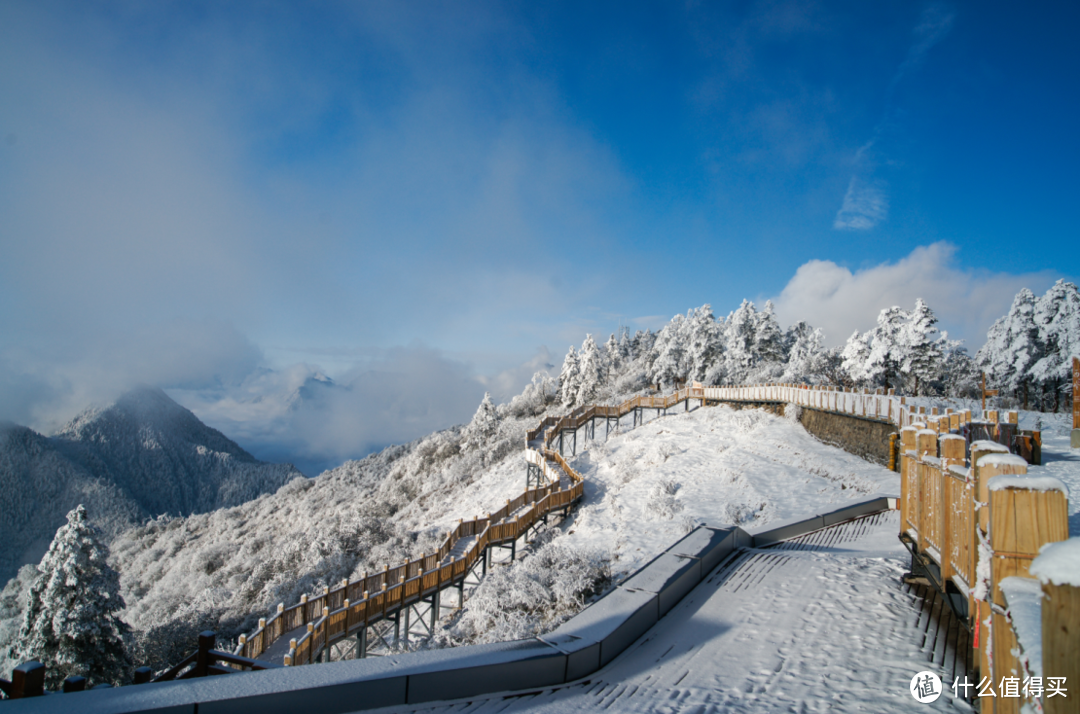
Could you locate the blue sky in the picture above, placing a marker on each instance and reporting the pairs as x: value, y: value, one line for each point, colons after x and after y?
x: 225, y: 199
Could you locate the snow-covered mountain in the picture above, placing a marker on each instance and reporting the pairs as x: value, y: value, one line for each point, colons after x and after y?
x: 138, y: 458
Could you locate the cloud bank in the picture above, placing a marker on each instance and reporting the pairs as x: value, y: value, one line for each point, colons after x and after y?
x: 840, y: 301
x: 298, y: 414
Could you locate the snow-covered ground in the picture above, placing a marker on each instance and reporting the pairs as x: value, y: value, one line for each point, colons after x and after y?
x: 647, y: 487
x: 823, y: 628
x: 1059, y: 460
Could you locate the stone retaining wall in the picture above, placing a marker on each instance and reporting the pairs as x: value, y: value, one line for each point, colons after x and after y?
x: 865, y: 438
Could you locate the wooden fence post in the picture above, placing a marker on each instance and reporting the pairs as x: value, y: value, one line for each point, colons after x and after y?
x: 908, y: 492
x: 202, y: 658
x: 27, y: 680
x: 1025, y: 514
x: 76, y: 683
x: 1056, y: 570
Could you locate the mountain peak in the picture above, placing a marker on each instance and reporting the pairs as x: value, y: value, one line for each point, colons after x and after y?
x: 146, y: 413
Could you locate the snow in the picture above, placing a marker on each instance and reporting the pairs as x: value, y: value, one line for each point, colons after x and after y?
x: 646, y: 488
x: 999, y: 459
x: 138, y: 458
x: 1024, y: 599
x: 989, y: 446
x: 807, y: 627
x: 1030, y: 483
x: 1058, y: 563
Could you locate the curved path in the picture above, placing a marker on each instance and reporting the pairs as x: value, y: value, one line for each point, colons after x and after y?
x: 814, y: 624
x: 301, y: 633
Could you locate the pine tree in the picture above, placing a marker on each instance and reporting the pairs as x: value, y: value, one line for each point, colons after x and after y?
x: 484, y: 426
x: 960, y: 374
x: 614, y: 357
x: 1012, y: 347
x: 805, y: 354
x: 668, y: 362
x: 626, y: 347
x: 642, y: 344
x: 592, y: 372
x: 768, y: 349
x: 71, y: 622
x: 1057, y: 316
x: 922, y: 354
x: 704, y: 350
x: 570, y: 379
x: 738, y: 341
x: 855, y: 359
x: 889, y: 348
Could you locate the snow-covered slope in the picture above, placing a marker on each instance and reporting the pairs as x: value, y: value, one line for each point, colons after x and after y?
x: 167, y: 459
x: 141, y: 457
x: 648, y: 487
x: 644, y: 489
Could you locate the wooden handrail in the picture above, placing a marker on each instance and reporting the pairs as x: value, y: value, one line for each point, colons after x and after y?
x: 369, y: 601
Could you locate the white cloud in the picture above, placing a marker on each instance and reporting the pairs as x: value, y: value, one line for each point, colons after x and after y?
x: 299, y: 414
x: 865, y: 205
x: 840, y: 301
x: 505, y: 385
x: 45, y: 386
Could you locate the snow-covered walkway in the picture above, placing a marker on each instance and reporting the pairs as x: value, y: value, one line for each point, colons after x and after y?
x: 818, y: 624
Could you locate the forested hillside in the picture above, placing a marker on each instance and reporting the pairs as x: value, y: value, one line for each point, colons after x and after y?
x: 139, y: 458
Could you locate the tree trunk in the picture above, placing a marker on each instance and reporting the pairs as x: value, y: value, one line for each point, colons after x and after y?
x: 1025, y: 383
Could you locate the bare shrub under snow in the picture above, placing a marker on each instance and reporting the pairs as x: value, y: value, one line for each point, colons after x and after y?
x: 663, y: 502
x: 533, y: 596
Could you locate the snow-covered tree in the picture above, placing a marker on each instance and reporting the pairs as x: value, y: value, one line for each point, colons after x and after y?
x: 626, y: 346
x: 593, y: 371
x: 888, y: 348
x: 855, y: 358
x: 959, y: 372
x: 1012, y: 348
x: 768, y: 337
x: 535, y: 398
x: 570, y: 379
x: 805, y: 352
x: 1057, y: 316
x: 900, y: 349
x: 704, y: 350
x: 484, y: 425
x: 614, y: 356
x: 668, y: 362
x: 739, y: 355
x: 922, y: 353
x: 71, y: 622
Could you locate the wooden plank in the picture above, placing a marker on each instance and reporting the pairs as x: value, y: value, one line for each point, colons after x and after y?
x: 1060, y: 643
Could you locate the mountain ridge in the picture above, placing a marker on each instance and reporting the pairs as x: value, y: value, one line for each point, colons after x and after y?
x: 142, y: 456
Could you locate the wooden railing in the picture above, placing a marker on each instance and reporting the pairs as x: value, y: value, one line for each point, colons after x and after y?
x: 876, y: 405
x: 341, y: 611
x: 971, y: 523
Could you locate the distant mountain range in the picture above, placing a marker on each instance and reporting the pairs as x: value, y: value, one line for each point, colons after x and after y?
x: 143, y: 456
